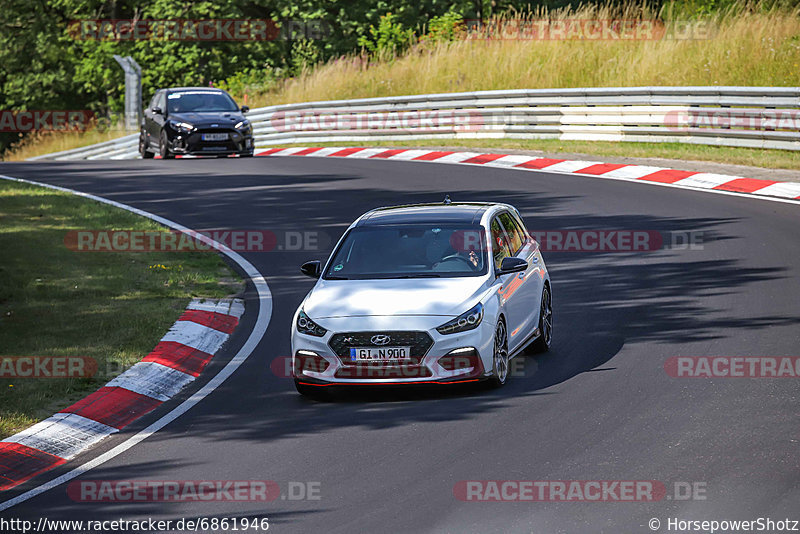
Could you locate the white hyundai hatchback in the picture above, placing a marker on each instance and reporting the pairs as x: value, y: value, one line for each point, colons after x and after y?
x: 429, y: 293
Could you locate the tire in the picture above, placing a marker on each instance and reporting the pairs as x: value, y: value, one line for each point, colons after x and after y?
x: 545, y: 339
x: 246, y: 155
x: 163, y: 147
x: 500, y: 356
x: 312, y: 392
x: 146, y: 154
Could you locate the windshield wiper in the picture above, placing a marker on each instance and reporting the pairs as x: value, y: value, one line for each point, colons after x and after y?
x: 333, y: 277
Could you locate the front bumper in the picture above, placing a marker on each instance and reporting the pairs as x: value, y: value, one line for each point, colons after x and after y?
x: 193, y: 144
x: 422, y: 369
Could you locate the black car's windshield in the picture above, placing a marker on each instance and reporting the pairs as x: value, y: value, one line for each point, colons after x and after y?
x: 409, y: 251
x: 199, y: 101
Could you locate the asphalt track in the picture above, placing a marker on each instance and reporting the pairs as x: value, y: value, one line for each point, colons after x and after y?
x: 599, y: 406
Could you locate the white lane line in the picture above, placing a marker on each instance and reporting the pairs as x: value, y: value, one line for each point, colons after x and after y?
x: 152, y: 380
x: 63, y: 434
x: 196, y: 335
x: 264, y: 302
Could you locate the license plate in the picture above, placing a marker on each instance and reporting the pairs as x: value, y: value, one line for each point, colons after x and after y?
x: 215, y: 137
x: 368, y: 354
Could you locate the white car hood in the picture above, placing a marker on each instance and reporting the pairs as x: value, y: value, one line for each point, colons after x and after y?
x: 407, y: 296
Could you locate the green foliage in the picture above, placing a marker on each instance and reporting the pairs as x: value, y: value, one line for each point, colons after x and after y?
x: 445, y: 28
x: 388, y: 39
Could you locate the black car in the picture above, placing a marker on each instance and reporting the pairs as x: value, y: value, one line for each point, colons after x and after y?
x: 195, y: 120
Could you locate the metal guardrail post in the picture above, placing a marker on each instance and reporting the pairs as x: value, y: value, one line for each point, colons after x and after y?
x: 133, y: 91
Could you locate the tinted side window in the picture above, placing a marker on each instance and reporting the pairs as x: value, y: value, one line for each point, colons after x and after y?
x: 161, y: 101
x: 500, y: 248
x: 514, y: 233
x: 154, y: 101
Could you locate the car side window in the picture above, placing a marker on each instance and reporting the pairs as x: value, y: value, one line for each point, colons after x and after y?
x: 524, y: 229
x: 513, y: 231
x: 500, y: 248
x: 154, y: 100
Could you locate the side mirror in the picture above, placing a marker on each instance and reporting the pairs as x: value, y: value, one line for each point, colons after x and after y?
x: 312, y: 268
x: 245, y: 109
x: 157, y: 110
x: 512, y: 265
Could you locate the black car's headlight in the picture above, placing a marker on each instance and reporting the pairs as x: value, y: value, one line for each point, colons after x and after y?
x: 181, y: 126
x: 244, y: 127
x: 466, y: 321
x: 309, y: 327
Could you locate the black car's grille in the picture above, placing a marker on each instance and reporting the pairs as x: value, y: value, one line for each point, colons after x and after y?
x: 419, y: 342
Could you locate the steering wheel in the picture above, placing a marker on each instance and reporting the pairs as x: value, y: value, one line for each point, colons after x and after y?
x: 457, y: 257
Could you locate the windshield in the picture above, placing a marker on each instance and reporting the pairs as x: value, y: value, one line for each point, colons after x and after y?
x: 200, y: 101
x: 409, y: 251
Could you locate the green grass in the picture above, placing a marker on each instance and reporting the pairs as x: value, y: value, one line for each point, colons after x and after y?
x: 768, y: 159
x: 113, y: 307
x: 750, y: 44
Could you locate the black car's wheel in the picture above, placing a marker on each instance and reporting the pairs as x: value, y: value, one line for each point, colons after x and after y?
x: 146, y: 154
x: 163, y: 147
x: 246, y: 155
x: 545, y: 339
x: 500, y: 356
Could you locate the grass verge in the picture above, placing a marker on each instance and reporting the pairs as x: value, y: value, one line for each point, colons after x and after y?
x: 49, y: 142
x: 747, y: 43
x: 113, y: 307
x: 768, y: 159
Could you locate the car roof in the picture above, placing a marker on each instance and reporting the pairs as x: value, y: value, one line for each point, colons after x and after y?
x: 177, y: 89
x: 441, y: 213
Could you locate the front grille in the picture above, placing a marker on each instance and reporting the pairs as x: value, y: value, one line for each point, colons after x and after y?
x: 420, y: 343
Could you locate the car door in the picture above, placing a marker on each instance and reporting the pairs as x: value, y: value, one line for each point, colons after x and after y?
x: 147, y: 125
x: 506, y: 284
x: 522, y: 289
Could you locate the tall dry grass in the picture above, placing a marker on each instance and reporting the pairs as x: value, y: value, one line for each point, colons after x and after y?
x: 49, y: 142
x: 749, y: 46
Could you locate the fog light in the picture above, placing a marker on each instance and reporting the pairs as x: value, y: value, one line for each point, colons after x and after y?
x: 466, y: 360
x: 307, y: 361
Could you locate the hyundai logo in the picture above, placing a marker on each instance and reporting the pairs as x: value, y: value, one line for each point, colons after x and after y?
x: 380, y: 339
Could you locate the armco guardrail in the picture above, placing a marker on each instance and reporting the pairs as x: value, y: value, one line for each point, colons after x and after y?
x: 756, y: 117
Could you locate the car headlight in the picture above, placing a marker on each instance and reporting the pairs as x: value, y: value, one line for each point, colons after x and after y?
x: 466, y: 321
x: 245, y: 127
x: 309, y: 327
x: 181, y: 126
